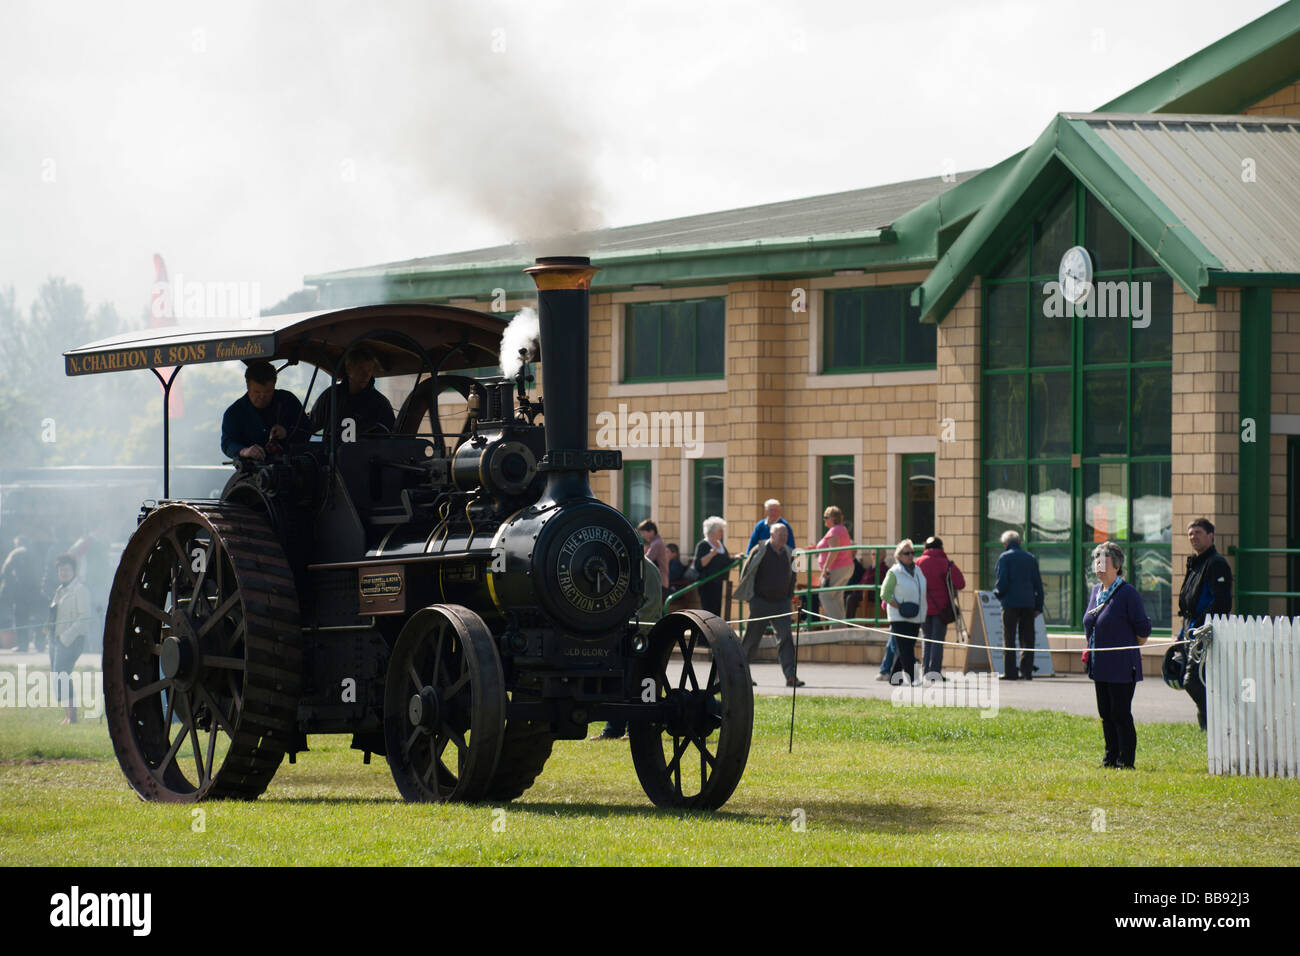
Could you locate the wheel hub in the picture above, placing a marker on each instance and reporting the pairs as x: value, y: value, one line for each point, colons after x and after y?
x: 422, y: 711
x: 178, y: 659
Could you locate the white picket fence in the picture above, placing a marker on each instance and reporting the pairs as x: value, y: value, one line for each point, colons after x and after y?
x: 1252, y: 682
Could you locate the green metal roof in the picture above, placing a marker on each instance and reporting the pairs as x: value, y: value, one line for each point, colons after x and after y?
x: 1175, y: 182
x: 1233, y: 181
x: 818, y: 233
x: 1228, y: 75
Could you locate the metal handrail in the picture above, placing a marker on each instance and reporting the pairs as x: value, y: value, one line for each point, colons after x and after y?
x: 712, y: 576
x: 872, y: 588
x: 1244, y: 592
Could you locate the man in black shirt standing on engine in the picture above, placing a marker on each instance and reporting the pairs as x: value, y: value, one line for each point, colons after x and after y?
x: 356, y: 399
x: 1207, y: 589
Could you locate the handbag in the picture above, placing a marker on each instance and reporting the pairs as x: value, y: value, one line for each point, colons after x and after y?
x: 948, y: 615
x: 909, y: 609
x: 692, y: 573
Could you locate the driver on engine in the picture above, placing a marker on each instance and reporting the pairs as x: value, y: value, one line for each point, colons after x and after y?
x: 256, y: 424
x: 356, y: 398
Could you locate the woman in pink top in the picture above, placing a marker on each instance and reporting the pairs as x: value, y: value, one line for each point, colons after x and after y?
x: 837, y: 566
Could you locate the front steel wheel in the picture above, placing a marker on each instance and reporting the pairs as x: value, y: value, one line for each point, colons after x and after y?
x: 202, y: 655
x: 444, y: 706
x: 694, y: 755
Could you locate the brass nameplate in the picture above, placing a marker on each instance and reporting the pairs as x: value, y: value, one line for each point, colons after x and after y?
x: 382, y: 590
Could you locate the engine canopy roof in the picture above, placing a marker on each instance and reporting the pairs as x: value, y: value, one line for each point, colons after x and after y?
x: 316, y: 338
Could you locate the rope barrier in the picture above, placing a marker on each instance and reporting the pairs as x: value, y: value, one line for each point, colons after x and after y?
x: 27, y: 627
x: 927, y: 640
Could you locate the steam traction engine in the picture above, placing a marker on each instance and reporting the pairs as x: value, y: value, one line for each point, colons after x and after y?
x: 455, y: 603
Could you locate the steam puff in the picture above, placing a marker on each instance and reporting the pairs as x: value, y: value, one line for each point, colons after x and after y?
x: 521, y: 333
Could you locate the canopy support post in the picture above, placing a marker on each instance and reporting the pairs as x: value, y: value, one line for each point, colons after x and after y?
x: 167, y: 434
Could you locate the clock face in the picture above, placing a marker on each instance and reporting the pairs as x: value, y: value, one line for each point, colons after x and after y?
x: 1076, y: 274
x: 593, y: 569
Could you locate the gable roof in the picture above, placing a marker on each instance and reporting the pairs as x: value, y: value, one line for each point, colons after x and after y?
x: 1175, y: 182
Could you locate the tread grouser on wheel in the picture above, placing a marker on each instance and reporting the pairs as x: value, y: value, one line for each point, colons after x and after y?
x: 202, y: 655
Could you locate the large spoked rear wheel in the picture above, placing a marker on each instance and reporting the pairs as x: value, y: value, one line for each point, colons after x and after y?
x: 202, y: 655
x: 694, y: 757
x: 444, y: 706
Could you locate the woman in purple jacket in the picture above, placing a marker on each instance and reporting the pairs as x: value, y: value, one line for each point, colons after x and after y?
x: 1115, y: 618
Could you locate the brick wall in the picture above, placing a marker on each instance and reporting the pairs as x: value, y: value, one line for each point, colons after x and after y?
x: 1285, y: 102
x: 1206, y: 427
x: 957, y: 501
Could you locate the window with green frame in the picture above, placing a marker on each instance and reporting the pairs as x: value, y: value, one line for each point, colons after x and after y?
x: 1077, y: 413
x: 636, y: 490
x: 873, y: 329
x: 666, y: 341
x: 918, y: 498
x: 837, y: 490
x: 709, y: 487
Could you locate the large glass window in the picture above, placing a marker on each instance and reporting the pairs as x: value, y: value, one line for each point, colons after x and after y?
x: 1077, y: 409
x: 665, y: 341
x: 636, y: 490
x: 873, y: 329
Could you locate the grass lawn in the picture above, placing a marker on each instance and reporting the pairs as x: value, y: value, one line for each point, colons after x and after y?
x: 875, y: 784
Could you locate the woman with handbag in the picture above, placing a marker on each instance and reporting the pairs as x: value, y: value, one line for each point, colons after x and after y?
x: 710, y: 557
x: 939, y: 571
x: 904, y: 594
x: 1115, y: 618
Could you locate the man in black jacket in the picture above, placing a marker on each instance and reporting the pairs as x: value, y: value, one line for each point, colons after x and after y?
x: 1207, y: 589
x: 256, y: 423
x: 355, y: 398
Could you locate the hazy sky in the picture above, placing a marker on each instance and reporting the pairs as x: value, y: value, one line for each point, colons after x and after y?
x: 260, y: 142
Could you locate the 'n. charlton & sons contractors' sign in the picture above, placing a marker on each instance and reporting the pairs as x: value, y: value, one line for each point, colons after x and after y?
x: 189, y: 353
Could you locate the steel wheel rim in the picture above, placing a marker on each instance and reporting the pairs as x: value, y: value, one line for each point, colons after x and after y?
x: 444, y: 696
x: 693, y: 758
x: 178, y: 656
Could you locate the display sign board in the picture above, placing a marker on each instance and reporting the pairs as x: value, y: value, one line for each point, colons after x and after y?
x: 987, y: 652
x: 224, y: 349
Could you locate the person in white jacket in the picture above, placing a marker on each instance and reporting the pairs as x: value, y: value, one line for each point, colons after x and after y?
x: 70, y: 613
x: 904, y: 596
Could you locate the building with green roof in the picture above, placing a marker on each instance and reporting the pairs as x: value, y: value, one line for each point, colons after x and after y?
x: 906, y: 352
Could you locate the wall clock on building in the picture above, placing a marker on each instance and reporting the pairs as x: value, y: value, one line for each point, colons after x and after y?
x: 1075, y: 274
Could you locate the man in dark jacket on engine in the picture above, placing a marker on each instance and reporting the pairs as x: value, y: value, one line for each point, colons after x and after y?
x: 355, y: 399
x: 1207, y: 589
x: 265, y: 416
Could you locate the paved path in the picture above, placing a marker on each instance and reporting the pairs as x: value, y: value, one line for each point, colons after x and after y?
x: 1072, y: 694
x: 1154, y: 701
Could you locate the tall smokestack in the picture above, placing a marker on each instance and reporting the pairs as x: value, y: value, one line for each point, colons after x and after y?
x: 563, y: 293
